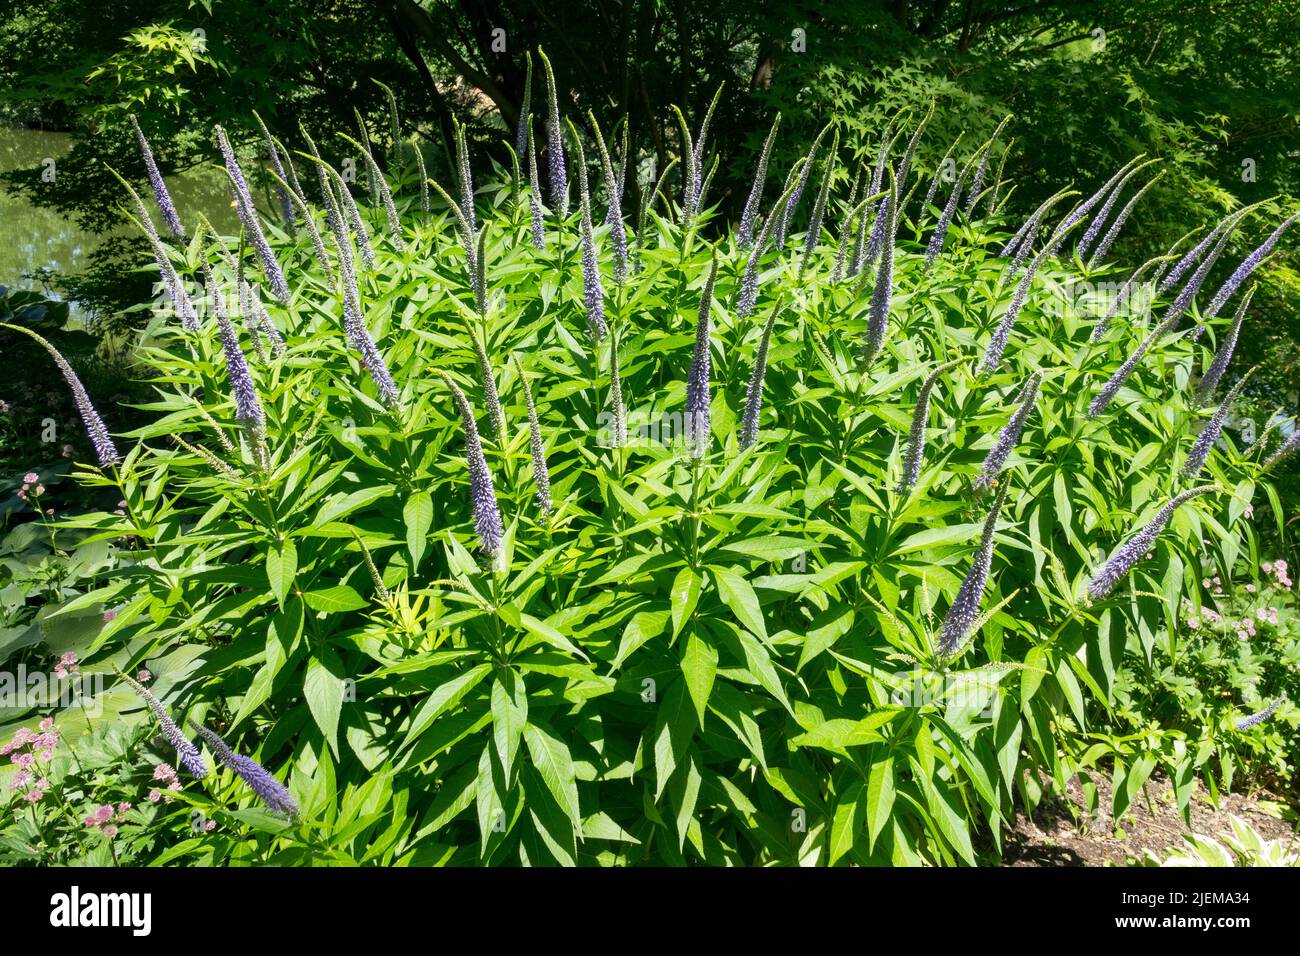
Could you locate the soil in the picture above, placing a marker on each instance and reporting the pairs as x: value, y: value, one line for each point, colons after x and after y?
x: 1057, y: 837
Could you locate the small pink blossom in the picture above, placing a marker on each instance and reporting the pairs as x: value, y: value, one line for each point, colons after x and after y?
x: 144, y: 677
x: 31, y: 478
x: 154, y: 796
x: 209, y: 826
x: 109, y: 615
x: 20, y: 779
x: 33, y: 795
x: 109, y: 831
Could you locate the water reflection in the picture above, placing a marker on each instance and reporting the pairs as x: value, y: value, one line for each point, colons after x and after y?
x: 33, y: 238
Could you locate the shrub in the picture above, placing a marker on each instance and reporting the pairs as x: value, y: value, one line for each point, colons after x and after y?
x: 466, y: 545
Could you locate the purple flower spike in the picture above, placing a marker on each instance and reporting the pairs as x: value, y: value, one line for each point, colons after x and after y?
x: 1213, y: 429
x: 270, y: 791
x: 1098, y: 221
x: 1081, y: 210
x: 1224, y: 355
x: 593, y: 295
x: 745, y: 234
x: 1116, y: 381
x: 966, y: 605
x: 1286, y: 449
x: 535, y: 195
x: 698, y: 398
x: 1112, y: 233
x: 559, y: 176
x: 536, y: 449
x: 754, y: 393
x: 1002, y: 334
x: 487, y: 518
x: 747, y: 297
x: 186, y: 752
x: 945, y: 218
x: 1259, y: 717
x: 1132, y: 551
x: 1248, y: 265
x: 248, y: 216
x: 916, y: 438
x: 523, y: 129
x: 1009, y: 435
x: 882, y: 294
x: 95, y: 430
x: 156, y: 183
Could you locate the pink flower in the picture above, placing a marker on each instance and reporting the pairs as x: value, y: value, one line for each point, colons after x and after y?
x: 1242, y: 635
x: 1193, y: 623
x: 210, y: 826
x: 31, y: 478
x: 144, y: 677
x: 109, y: 615
x: 123, y: 808
x: 100, y: 816
x: 40, y: 489
x: 164, y: 772
x: 1250, y: 589
x: 69, y: 660
x: 47, y: 724
x: 20, y: 779
x: 109, y: 831
x: 33, y: 795
x: 154, y: 796
x: 24, y: 760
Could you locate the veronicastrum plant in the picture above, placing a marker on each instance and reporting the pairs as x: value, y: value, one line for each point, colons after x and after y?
x: 495, y: 547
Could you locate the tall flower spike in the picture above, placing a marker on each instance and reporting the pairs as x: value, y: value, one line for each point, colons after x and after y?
x: 998, y: 341
x: 424, y: 176
x: 358, y: 335
x: 248, y: 216
x: 1259, y: 717
x: 559, y: 177
x: 348, y: 205
x: 869, y: 246
x: 535, y: 195
x: 754, y: 392
x: 617, y: 234
x: 333, y: 216
x: 469, y: 243
x: 748, y: 294
x: 105, y: 450
x: 813, y: 235
x: 1122, y: 299
x: 1284, y: 450
x: 801, y: 180
x: 385, y: 194
x: 1248, y: 265
x: 536, y: 450
x: 466, y: 177
x: 592, y: 293
x: 1200, y: 452
x: 1187, y: 294
x: 620, y: 179
x: 1022, y: 243
x: 882, y: 294
x: 167, y: 273
x: 938, y: 173
x: 617, y: 407
x: 483, y: 501
x: 745, y: 233
x: 309, y: 223
x: 981, y: 169
x: 270, y: 791
x: 523, y: 128
x: 1132, y: 551
x: 916, y: 437
x: 248, y: 407
x: 1223, y: 356
x: 281, y: 183
x: 699, y: 429
x: 1098, y: 221
x: 156, y: 183
x: 1116, y: 381
x: 945, y: 218
x: 905, y: 165
x: 1189, y: 259
x: 1085, y: 207
x: 1009, y: 435
x: 490, y: 397
x: 965, y: 607
x: 1169, y: 257
x: 697, y: 156
x: 846, y: 230
x: 186, y: 752
x: 1113, y: 232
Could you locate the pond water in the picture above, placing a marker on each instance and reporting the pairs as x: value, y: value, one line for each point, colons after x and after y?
x: 34, y: 237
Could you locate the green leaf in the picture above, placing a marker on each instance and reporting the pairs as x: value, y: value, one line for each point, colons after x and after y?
x: 738, y: 595
x: 335, y: 600
x: 554, y: 763
x: 418, y: 515
x: 699, y: 667
x: 444, y: 699
x: 509, y: 703
x: 323, y: 687
x: 685, y: 595
x: 880, y: 796
x: 281, y: 566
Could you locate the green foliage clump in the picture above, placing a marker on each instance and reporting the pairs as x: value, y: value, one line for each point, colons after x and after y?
x: 705, y: 651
